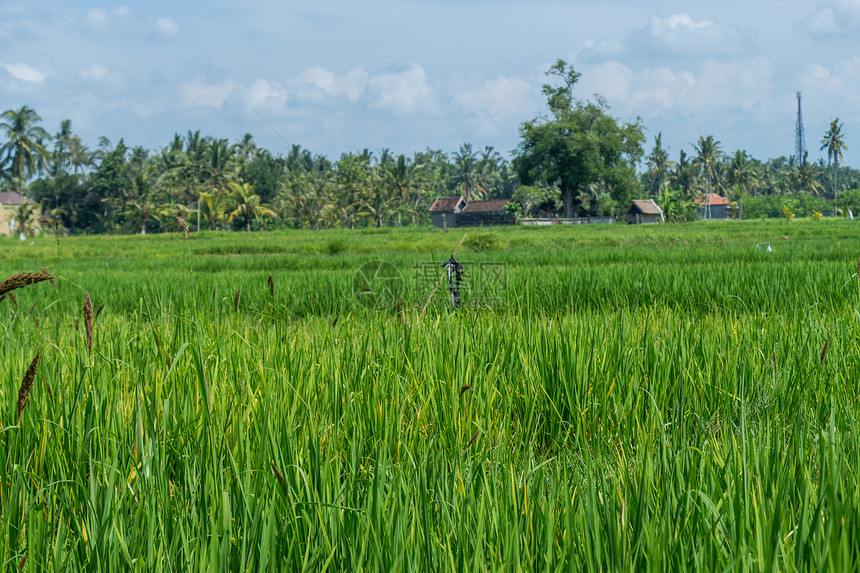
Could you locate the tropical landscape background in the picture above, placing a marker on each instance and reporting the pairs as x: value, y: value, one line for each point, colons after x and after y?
x: 316, y: 396
x: 578, y: 159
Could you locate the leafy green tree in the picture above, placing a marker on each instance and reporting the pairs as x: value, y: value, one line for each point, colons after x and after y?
x: 580, y: 144
x: 24, y: 152
x: 109, y: 184
x: 834, y: 142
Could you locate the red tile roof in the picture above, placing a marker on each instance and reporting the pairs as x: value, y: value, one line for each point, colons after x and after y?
x: 446, y: 204
x: 493, y: 205
x: 712, y: 199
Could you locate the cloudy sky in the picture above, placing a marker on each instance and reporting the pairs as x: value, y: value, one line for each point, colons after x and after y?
x: 342, y: 75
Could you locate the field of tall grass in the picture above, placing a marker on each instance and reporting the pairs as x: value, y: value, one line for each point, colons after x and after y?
x: 679, y: 397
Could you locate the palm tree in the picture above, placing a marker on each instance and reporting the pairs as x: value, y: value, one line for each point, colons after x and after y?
x: 140, y: 204
x: 246, y: 149
x: 834, y: 142
x: 742, y: 173
x: 248, y: 205
x: 214, y: 207
x: 708, y: 155
x: 806, y: 177
x: 24, y: 152
x: 659, y: 163
x: 400, y: 176
x: 79, y: 156
x: 466, y: 173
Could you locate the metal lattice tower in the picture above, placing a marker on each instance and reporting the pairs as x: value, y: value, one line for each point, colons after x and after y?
x: 799, y: 137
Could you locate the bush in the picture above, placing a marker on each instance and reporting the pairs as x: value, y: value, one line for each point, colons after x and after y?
x: 483, y: 242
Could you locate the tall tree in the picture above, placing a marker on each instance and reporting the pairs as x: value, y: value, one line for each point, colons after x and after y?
x: 834, y: 142
x: 466, y: 173
x: 579, y: 145
x: 708, y: 156
x: 659, y: 163
x: 24, y: 152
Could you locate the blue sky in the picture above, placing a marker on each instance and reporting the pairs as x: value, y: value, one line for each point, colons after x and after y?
x: 338, y: 75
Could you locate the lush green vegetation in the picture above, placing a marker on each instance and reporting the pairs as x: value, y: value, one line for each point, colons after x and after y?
x: 672, y: 397
x: 580, y: 160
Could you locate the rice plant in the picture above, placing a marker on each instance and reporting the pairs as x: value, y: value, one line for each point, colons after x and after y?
x: 664, y: 399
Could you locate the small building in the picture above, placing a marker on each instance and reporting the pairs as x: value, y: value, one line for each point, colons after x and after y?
x: 486, y: 213
x: 444, y: 210
x: 9, y: 204
x: 643, y: 212
x: 713, y: 206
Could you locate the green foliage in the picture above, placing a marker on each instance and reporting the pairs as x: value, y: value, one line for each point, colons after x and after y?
x: 801, y: 204
x: 482, y: 242
x: 581, y: 145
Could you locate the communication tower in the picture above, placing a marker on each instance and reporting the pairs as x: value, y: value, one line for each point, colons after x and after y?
x: 799, y: 137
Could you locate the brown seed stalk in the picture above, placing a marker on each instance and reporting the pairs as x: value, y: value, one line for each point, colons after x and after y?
x: 824, y: 352
x: 88, y: 321
x: 271, y: 286
x: 24, y: 279
x: 475, y: 437
x: 27, y: 385
x: 236, y: 300
x: 280, y: 477
x: 464, y: 389
x: 184, y: 226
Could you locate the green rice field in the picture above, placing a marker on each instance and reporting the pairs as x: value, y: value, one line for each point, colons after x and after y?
x: 607, y: 398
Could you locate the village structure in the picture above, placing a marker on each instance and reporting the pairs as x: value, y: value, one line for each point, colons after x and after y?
x: 450, y: 212
x: 9, y: 204
x: 713, y: 206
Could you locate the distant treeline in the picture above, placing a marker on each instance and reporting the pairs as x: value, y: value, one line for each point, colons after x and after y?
x: 579, y: 161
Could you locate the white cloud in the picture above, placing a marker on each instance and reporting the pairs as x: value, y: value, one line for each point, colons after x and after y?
x: 648, y: 91
x: 24, y: 72
x: 199, y: 94
x: 834, y: 18
x: 402, y: 92
x: 124, y: 20
x: 102, y: 21
x: 167, y: 27
x: 679, y: 36
x: 496, y: 102
x: 837, y: 85
x: 265, y: 94
x: 351, y: 85
x: 100, y: 74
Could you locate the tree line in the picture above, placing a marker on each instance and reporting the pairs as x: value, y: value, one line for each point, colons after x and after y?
x: 575, y: 161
